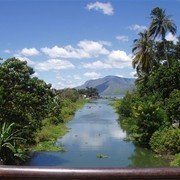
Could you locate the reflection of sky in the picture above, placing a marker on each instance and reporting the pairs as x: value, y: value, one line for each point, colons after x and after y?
x: 94, y: 127
x: 94, y: 130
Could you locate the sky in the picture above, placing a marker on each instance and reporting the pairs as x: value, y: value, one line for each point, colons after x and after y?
x: 69, y: 42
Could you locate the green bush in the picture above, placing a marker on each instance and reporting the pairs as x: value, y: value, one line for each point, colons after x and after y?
x: 148, y: 117
x: 166, y: 141
x: 176, y: 160
x: 125, y: 105
x: 173, y: 105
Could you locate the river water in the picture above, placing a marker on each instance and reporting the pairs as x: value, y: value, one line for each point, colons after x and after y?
x: 95, y: 132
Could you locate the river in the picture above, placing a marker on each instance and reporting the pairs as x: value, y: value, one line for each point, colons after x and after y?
x: 94, y: 133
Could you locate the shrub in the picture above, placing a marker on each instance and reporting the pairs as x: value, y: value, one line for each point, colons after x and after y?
x: 166, y: 141
x: 125, y: 105
x: 173, y: 105
x: 176, y: 160
x: 148, y: 117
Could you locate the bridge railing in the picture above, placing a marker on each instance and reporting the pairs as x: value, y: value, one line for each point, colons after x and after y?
x: 25, y: 172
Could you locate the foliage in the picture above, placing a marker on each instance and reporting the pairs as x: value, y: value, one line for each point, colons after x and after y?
x: 142, y: 50
x: 147, y: 113
x: 71, y: 94
x: 10, y: 152
x: 89, y: 92
x: 50, y: 132
x: 25, y: 98
x: 125, y: 105
x: 176, y: 160
x: 164, y: 80
x: 166, y: 141
x: 173, y: 105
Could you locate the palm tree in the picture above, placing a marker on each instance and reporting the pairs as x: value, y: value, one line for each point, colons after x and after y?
x: 161, y: 24
x: 142, y: 50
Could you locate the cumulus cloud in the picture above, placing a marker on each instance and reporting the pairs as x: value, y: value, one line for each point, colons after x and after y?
x: 29, y: 52
x: 115, y: 59
x: 171, y: 37
x: 97, y: 65
x: 105, y: 8
x: 93, y: 48
x: 122, y: 38
x: 92, y: 75
x: 119, y: 55
x: 137, y: 28
x: 86, y: 49
x: 55, y: 64
x: 119, y: 59
x: 64, y: 52
x: 76, y: 77
x: 29, y: 62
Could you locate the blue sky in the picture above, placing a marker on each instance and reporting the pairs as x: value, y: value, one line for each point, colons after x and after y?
x: 69, y: 42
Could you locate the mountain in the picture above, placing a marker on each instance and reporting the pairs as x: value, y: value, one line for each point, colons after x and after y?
x: 110, y: 85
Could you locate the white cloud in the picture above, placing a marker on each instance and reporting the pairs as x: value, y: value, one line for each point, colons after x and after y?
x: 35, y: 74
x: 132, y: 74
x: 86, y: 49
x: 7, y: 51
x: 25, y: 59
x: 119, y: 55
x: 29, y: 52
x: 66, y: 84
x: 92, y: 75
x: 76, y: 77
x: 171, y: 37
x: 97, y: 65
x: 137, y: 28
x: 55, y: 64
x: 93, y: 48
x: 119, y: 59
x: 105, y: 8
x: 106, y: 43
x: 115, y: 59
x: 122, y: 38
x: 119, y: 75
x: 64, y: 52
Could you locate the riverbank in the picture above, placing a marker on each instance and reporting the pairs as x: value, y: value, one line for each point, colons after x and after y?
x: 96, y: 140
x: 127, y: 125
x: 47, y: 136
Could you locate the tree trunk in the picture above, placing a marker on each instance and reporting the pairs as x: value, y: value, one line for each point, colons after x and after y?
x: 165, y: 50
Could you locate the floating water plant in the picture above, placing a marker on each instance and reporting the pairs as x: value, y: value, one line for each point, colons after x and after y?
x: 101, y: 156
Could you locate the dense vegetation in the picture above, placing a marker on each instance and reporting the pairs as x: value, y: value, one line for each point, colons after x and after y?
x: 32, y: 114
x: 151, y: 113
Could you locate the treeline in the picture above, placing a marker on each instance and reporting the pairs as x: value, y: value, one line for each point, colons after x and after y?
x: 151, y: 113
x: 30, y: 111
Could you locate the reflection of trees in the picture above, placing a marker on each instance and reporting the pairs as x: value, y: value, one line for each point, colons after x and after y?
x: 145, y: 158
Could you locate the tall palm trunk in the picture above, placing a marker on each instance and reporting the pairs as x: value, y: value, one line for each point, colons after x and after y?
x: 165, y: 49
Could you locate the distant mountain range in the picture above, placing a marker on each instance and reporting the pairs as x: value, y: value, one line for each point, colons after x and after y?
x: 110, y: 85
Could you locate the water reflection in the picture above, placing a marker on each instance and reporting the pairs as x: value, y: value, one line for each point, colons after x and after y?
x: 145, y: 158
x: 95, y: 130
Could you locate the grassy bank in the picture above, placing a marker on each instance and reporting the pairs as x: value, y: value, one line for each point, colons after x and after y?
x: 50, y: 132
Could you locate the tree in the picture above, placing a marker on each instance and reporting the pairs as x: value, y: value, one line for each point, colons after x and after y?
x: 161, y: 24
x: 142, y: 50
x: 25, y: 98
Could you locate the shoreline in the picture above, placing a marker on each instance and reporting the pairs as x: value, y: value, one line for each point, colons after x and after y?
x: 55, y: 132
